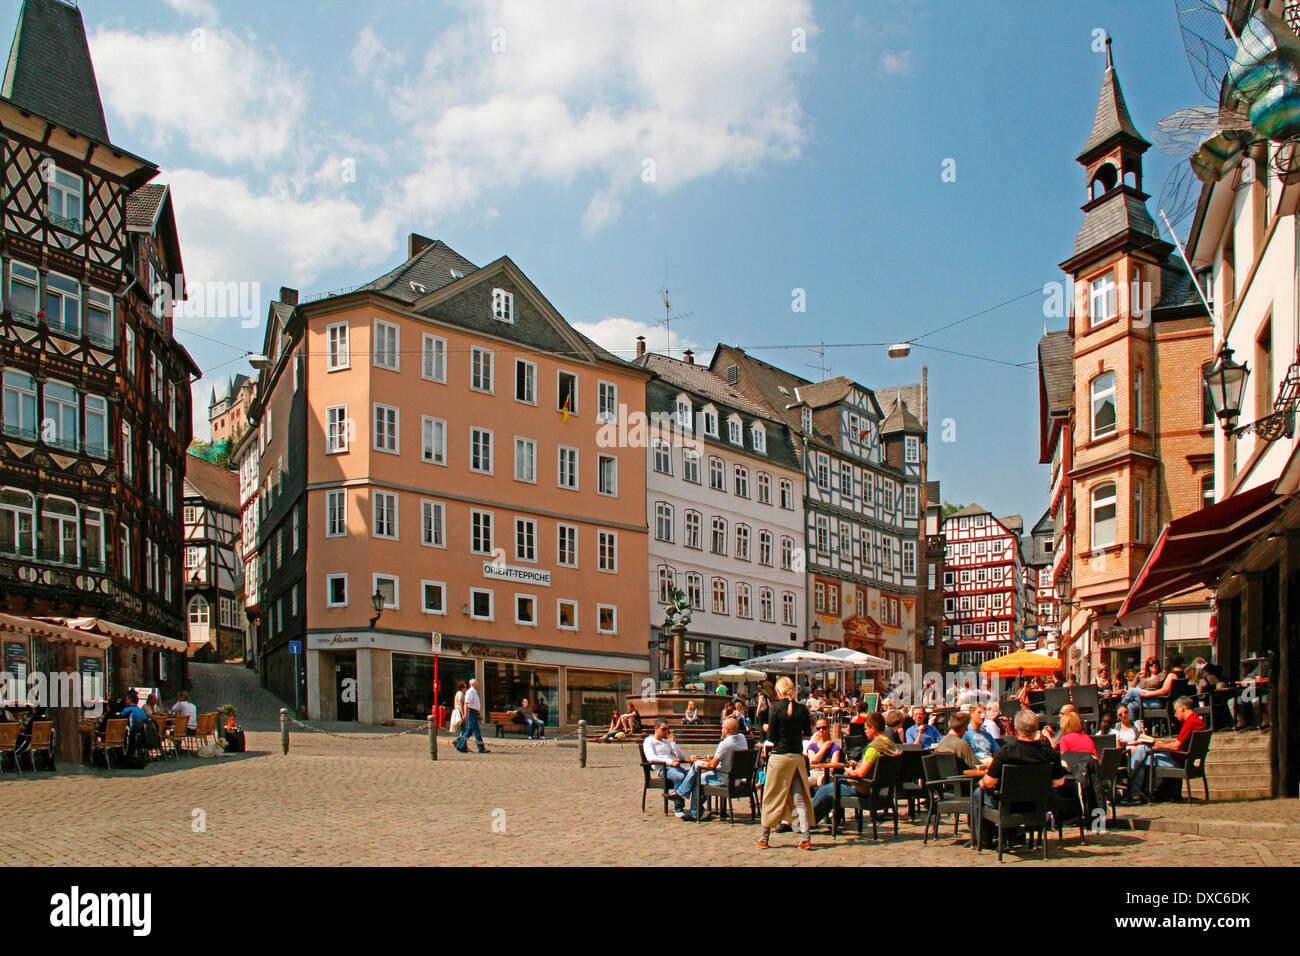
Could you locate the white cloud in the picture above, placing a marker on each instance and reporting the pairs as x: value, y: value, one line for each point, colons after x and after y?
x: 572, y: 88
x: 218, y: 93
x: 193, y: 8
x: 896, y: 62
x: 372, y: 59
x: 618, y: 335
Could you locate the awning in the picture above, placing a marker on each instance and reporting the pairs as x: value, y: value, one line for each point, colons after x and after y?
x: 1194, y: 550
x: 121, y: 634
x: 52, y: 631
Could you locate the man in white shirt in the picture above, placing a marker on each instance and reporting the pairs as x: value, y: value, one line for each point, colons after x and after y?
x: 662, y: 751
x: 713, y: 770
x: 187, y: 709
x: 990, y: 723
x: 473, y: 720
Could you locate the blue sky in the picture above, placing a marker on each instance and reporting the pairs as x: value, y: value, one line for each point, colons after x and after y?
x: 305, y: 140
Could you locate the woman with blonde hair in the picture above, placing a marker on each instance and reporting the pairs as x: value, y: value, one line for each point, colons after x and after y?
x: 787, y: 770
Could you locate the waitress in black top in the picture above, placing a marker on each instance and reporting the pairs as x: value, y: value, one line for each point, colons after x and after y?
x: 787, y: 769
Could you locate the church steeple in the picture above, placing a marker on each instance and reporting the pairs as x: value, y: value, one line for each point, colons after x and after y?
x: 1112, y: 124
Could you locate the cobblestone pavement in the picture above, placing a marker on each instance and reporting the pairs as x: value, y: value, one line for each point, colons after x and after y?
x: 334, y: 800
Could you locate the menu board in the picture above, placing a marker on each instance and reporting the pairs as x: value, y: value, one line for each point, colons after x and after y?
x: 92, y: 678
x: 870, y: 703
x: 15, y: 665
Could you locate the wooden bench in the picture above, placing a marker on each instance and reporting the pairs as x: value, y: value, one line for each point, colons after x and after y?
x: 504, y: 721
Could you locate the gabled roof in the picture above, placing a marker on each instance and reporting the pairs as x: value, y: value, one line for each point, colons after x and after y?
x: 699, y: 380
x: 1056, y: 371
x: 212, y: 483
x: 912, y: 395
x: 430, y: 269
x: 970, y: 509
x: 1045, y: 525
x: 143, y: 206
x: 1111, y: 119
x: 50, y: 73
x: 900, y: 419
x: 1013, y: 523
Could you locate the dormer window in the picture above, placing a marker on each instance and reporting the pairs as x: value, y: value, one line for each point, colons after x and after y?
x: 684, y: 413
x: 805, y: 419
x: 503, y: 306
x: 710, y: 421
x: 758, y: 438
x: 735, y: 431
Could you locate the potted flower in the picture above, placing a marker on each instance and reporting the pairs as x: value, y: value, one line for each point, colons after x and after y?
x: 232, y: 735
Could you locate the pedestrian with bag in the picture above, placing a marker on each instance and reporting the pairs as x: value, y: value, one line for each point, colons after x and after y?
x: 473, y: 720
x: 786, y: 783
x: 457, y: 710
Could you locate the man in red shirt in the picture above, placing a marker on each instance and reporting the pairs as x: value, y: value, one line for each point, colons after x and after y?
x: 1170, y: 752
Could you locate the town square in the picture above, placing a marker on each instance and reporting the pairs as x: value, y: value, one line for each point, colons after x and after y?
x: 650, y: 434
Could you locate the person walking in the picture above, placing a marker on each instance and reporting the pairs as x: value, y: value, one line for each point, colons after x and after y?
x: 473, y: 720
x: 787, y: 770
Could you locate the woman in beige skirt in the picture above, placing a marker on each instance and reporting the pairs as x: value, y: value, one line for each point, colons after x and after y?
x: 787, y: 769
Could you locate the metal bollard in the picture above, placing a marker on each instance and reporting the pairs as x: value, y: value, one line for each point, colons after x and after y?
x: 433, y: 736
x: 582, y: 743
x: 284, y: 729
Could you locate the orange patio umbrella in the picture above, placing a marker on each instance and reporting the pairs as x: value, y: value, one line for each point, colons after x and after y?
x: 1022, y: 664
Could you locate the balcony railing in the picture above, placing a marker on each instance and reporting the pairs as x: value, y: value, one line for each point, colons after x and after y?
x: 17, y: 431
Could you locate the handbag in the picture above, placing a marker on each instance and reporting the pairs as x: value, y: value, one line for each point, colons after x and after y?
x: 456, y: 721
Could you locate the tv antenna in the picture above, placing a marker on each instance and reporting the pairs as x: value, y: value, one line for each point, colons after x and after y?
x: 669, y: 318
x: 821, y: 366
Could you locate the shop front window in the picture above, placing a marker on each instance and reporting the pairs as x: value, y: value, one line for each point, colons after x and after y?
x: 505, y: 684
x: 413, y: 684
x: 593, y: 695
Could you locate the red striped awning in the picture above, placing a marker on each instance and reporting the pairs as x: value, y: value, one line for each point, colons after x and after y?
x: 1193, y: 551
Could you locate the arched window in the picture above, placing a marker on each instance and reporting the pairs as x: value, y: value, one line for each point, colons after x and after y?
x: 1104, y: 179
x: 1102, y: 392
x: 1103, y: 515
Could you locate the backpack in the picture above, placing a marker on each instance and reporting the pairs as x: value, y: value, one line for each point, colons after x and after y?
x: 152, y: 740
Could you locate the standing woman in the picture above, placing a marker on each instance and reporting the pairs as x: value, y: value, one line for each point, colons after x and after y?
x: 787, y: 770
x: 457, y: 710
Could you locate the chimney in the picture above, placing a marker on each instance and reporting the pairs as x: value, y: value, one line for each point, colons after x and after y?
x: 688, y: 357
x: 640, y: 346
x: 416, y: 244
x: 288, y: 296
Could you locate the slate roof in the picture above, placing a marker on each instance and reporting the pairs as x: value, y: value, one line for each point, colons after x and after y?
x: 1056, y: 370
x: 1119, y: 212
x: 900, y: 419
x: 49, y: 71
x: 431, y: 269
x: 1176, y: 288
x: 143, y: 206
x: 1013, y: 523
x: 699, y: 380
x: 1112, y: 118
x: 212, y: 483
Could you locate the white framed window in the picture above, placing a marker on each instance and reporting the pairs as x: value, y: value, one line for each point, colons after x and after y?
x: 526, y: 540
x: 566, y: 536
x: 606, y: 402
x: 710, y: 421
x: 433, y: 440
x: 717, y: 474
x: 525, y: 460
x: 663, y: 521
x: 607, y: 551
x: 735, y: 431
x: 338, y: 352
x: 663, y: 457
x: 911, y: 449
x: 128, y: 453
x: 1102, y: 390
x: 690, y: 466
x: 567, y: 476
x: 386, y: 428
x: 741, y: 481
x: 765, y: 548
x: 787, y: 494
x: 336, y: 513
x: 742, y: 542
x: 758, y: 439
x: 480, y: 532
x: 607, y: 475
x: 764, y: 488
x: 719, y: 589
x: 743, y: 606
x: 910, y: 500
x: 685, y: 415
x: 336, y: 590
x: 718, y: 535
x: 433, y: 527
x: 387, y: 350
x: 695, y: 590
x: 1137, y: 511
x: 525, y: 381
x: 503, y: 306
x: 480, y: 370
x: 606, y: 619
x: 480, y: 604
x: 433, y: 596
x: 667, y: 582
x: 24, y: 289
x: 787, y: 608
x: 1137, y: 400
x: 385, y: 515
x: 787, y: 553
x: 766, y: 606
x: 566, y: 392
x: 63, y: 200
x: 1101, y: 299
x: 1103, y: 515
x: 806, y: 419
x: 19, y: 403
x: 526, y: 609
x: 566, y: 614
x: 61, y: 411
x: 336, y: 429
x: 909, y: 558
x: 694, y: 523
x: 433, y: 355
x: 480, y: 450
x: 63, y: 304
x: 387, y: 586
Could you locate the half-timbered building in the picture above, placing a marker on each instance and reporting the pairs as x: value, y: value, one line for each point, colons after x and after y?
x: 984, y: 594
x: 96, y: 407
x: 214, y: 569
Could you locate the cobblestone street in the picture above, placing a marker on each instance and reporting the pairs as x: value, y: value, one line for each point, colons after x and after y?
x: 339, y: 800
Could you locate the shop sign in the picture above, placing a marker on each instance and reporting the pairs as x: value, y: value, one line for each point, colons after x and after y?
x: 1120, y: 637
x: 505, y: 572
x: 733, y: 650
x: 487, y: 650
x: 341, y: 640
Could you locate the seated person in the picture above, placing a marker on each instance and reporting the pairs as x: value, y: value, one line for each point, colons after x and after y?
x: 1148, y: 693
x: 955, y: 742
x: 894, y: 720
x: 525, y: 717
x: 692, y: 715
x: 151, y: 705
x: 1023, y: 751
x: 922, y: 732
x: 713, y: 770
x: 615, y: 728
x: 186, y: 709
x: 1171, y: 752
x: 631, y: 720
x: 1073, y: 739
x: 980, y: 740
x: 879, y: 746
x: 135, y: 718
x: 662, y: 752
x: 992, y: 723
x: 822, y: 748
x: 1103, y: 679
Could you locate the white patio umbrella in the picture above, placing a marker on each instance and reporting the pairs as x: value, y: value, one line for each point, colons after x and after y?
x: 733, y: 672
x: 792, y: 661
x: 861, y: 661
